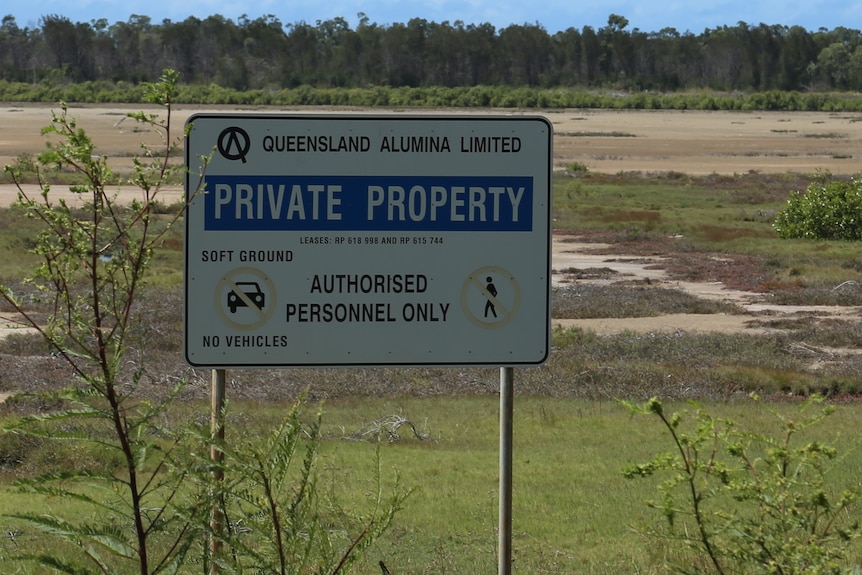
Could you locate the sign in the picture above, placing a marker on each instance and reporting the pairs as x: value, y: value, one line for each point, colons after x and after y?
x: 367, y: 240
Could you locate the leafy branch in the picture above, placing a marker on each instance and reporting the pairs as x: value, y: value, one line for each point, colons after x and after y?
x: 95, y: 254
x: 755, y: 498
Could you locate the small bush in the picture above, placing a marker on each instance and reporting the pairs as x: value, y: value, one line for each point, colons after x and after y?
x: 577, y: 168
x: 827, y: 210
x: 751, y: 501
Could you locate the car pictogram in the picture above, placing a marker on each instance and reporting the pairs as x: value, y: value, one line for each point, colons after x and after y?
x: 252, y: 292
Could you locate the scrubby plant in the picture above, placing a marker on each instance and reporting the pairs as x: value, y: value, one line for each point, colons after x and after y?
x: 751, y: 501
x: 94, y: 257
x: 147, y: 498
x: 576, y: 169
x: 829, y: 209
x: 273, y: 517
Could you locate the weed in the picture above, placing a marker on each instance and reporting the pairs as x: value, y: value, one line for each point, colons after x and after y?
x: 616, y: 301
x: 750, y: 499
x: 576, y: 168
x: 826, y: 135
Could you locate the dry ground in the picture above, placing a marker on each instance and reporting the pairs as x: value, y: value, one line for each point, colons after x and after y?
x: 691, y: 142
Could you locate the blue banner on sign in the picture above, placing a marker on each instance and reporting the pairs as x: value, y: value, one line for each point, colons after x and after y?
x: 369, y: 203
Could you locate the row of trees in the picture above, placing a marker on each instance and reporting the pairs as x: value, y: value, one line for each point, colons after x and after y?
x: 265, y: 53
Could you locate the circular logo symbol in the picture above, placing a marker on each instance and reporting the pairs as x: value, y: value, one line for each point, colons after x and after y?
x: 234, y: 143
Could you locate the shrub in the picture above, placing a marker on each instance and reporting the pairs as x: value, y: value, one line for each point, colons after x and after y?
x: 828, y: 210
x: 754, y: 502
x: 121, y: 477
x: 147, y: 504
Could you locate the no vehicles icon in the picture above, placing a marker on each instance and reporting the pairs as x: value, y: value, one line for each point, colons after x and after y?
x: 245, y: 298
x: 490, y: 297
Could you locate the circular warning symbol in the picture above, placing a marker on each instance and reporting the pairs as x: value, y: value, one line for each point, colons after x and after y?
x: 245, y: 298
x: 490, y: 297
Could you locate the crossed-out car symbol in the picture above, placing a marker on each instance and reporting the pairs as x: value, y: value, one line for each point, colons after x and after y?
x: 251, y: 290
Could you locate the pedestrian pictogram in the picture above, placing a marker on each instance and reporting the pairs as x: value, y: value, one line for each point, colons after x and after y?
x: 492, y: 290
x: 245, y: 298
x: 490, y: 297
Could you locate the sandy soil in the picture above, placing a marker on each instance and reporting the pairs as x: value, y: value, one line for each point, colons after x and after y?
x: 568, y: 255
x: 604, y: 141
x: 708, y: 142
x: 13, y: 323
x: 693, y: 142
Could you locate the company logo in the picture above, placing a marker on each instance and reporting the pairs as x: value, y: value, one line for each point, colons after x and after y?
x: 234, y: 143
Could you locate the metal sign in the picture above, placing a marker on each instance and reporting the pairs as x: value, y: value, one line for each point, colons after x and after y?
x: 348, y: 240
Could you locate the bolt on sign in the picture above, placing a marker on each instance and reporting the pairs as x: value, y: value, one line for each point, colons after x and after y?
x: 367, y: 240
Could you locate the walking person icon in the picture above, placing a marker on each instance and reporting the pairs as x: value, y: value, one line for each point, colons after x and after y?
x: 492, y: 289
x: 491, y: 297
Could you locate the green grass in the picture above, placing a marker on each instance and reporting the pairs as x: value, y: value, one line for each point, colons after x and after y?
x: 573, y: 511
x: 673, y: 203
x: 18, y: 234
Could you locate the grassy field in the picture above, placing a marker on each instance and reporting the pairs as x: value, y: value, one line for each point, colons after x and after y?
x: 574, y: 512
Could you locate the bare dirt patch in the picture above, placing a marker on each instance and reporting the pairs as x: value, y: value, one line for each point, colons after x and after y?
x: 578, y: 261
x: 697, y: 143
x: 12, y: 323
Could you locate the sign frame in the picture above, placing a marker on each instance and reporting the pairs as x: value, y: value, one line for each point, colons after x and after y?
x: 272, y: 201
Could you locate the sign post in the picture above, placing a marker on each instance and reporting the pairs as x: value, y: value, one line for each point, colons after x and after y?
x: 371, y: 240
x: 217, y: 518
x: 507, y: 412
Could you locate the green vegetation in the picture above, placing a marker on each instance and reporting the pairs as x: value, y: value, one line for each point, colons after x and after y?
x: 716, y: 211
x: 152, y: 496
x: 226, y: 58
x: 754, y: 502
x: 574, y: 511
x: 827, y: 210
x: 482, y: 96
x: 722, y: 218
x: 92, y: 264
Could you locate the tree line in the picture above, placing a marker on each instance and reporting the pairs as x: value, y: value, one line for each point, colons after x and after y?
x: 266, y: 54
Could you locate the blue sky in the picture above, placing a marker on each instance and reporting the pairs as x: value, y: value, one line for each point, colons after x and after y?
x: 554, y: 15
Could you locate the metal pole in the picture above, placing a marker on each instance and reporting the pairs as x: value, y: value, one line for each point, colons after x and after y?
x: 504, y: 551
x: 217, y: 457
